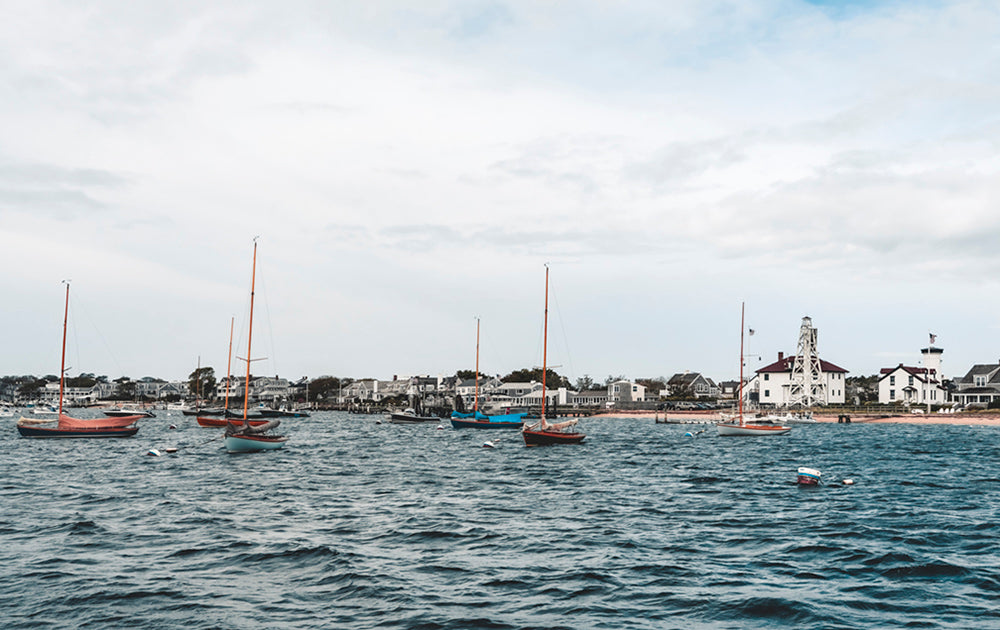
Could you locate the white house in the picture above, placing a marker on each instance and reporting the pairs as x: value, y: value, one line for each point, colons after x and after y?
x: 910, y: 385
x: 914, y: 385
x: 590, y: 398
x: 773, y: 383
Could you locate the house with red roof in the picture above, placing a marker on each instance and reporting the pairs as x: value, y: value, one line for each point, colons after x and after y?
x: 910, y: 385
x: 914, y: 385
x: 771, y: 385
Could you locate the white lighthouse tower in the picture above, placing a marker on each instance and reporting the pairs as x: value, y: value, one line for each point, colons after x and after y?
x: 808, y: 387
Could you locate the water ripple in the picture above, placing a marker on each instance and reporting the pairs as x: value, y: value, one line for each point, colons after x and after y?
x: 382, y: 526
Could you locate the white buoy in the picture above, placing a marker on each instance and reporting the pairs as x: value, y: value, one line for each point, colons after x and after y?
x: 153, y: 452
x: 172, y: 449
x: 487, y: 444
x: 440, y: 427
x: 173, y: 426
x: 848, y: 482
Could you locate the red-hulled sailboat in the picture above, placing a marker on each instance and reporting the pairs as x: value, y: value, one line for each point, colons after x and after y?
x: 543, y: 432
x: 65, y: 426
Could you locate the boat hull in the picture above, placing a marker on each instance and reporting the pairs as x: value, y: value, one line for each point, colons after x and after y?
x: 537, y: 437
x: 482, y: 421
x: 752, y: 429
x: 809, y: 477
x: 459, y: 423
x: 221, y: 422
x: 37, y: 431
x: 252, y: 443
x: 405, y: 418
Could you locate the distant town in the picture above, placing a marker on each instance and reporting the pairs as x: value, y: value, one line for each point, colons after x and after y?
x: 795, y: 379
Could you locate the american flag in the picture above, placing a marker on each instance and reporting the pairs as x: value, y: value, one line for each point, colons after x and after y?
x: 933, y: 338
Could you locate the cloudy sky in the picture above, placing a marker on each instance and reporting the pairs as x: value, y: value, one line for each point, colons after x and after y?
x: 411, y: 166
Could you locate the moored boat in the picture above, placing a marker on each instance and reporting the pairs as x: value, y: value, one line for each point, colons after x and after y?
x: 242, y: 436
x: 544, y: 433
x: 739, y: 425
x: 65, y: 426
x: 477, y: 419
x: 809, y: 476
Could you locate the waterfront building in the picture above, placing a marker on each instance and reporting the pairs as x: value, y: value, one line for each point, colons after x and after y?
x: 772, y: 385
x: 699, y: 386
x: 914, y: 385
x: 979, y: 386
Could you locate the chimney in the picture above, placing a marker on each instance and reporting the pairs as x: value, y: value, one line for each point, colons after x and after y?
x: 394, y: 377
x: 781, y: 356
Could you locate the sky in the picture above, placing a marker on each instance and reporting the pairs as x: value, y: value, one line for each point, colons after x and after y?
x: 410, y: 167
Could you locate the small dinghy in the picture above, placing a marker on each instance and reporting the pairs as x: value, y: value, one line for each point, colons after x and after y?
x: 809, y: 476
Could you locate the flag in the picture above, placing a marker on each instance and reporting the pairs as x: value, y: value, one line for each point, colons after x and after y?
x: 752, y: 331
x: 933, y: 338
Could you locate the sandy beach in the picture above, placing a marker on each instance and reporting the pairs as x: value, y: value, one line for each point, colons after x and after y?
x: 990, y: 418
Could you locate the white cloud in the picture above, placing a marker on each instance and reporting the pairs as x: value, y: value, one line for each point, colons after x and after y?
x: 407, y: 164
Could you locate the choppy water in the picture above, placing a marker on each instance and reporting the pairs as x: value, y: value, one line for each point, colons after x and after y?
x: 358, y: 525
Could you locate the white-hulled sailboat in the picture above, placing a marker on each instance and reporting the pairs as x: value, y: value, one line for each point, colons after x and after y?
x: 739, y: 425
x: 241, y: 436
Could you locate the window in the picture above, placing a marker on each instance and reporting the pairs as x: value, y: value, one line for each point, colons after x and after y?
x: 911, y: 381
x: 767, y: 393
x: 892, y: 379
x: 980, y: 380
x: 766, y: 377
x: 892, y: 394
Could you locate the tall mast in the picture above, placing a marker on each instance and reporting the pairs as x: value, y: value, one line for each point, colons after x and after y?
x: 253, y: 284
x: 229, y: 365
x: 545, y: 343
x: 475, y: 414
x: 62, y: 363
x: 743, y: 307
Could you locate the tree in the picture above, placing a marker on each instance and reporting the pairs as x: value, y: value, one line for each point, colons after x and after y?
x: 201, y: 382
x: 612, y: 379
x: 126, y: 388
x: 552, y: 379
x: 324, y: 388
x: 681, y: 391
x: 653, y: 385
x: 584, y: 383
x: 468, y: 375
x: 84, y: 380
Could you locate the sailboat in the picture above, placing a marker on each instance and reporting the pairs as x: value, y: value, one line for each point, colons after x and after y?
x: 543, y: 432
x: 65, y: 426
x: 242, y: 436
x: 479, y: 420
x: 739, y: 425
x: 221, y: 421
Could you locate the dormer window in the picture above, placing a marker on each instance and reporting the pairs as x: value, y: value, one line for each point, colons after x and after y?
x: 980, y: 380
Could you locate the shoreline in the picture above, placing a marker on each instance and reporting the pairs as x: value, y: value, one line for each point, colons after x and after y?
x: 958, y: 419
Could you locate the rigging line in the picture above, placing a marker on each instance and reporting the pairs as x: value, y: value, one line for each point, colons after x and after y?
x: 270, y: 328
x: 569, y: 358
x: 82, y: 304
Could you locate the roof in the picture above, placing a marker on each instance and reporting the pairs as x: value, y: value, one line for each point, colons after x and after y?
x: 785, y: 365
x: 981, y: 369
x: 918, y: 372
x: 685, y: 378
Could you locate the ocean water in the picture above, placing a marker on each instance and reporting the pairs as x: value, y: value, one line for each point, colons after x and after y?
x: 363, y: 525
